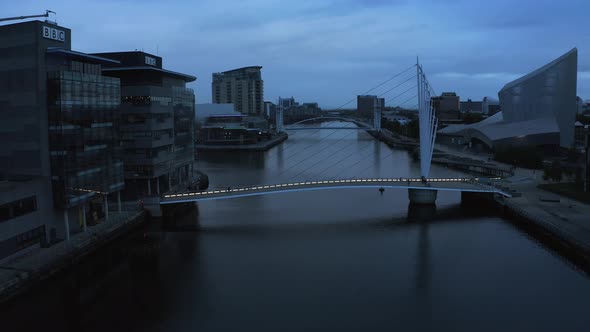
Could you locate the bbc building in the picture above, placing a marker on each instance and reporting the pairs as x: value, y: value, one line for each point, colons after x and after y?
x: 60, y: 153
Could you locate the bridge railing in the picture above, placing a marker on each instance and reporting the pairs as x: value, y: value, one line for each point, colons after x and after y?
x: 400, y: 180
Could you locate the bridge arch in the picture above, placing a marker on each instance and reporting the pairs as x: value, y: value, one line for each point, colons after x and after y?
x: 338, y: 118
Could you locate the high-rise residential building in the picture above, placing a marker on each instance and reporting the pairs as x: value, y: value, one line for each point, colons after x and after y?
x: 157, y: 116
x: 242, y: 87
x: 60, y: 147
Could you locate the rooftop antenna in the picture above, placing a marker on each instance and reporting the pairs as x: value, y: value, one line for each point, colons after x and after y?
x: 28, y: 16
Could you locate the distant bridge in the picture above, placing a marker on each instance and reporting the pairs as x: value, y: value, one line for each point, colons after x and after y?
x: 444, y: 184
x: 360, y: 125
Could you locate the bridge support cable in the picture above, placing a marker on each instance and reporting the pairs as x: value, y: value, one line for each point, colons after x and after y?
x: 293, y: 152
x: 398, y: 85
x: 303, y: 148
x: 380, y: 160
x: 372, y: 153
x: 407, y: 101
x: 339, y: 162
x: 297, y: 152
x: 346, y: 146
x: 379, y: 85
x: 290, y: 148
x: 315, y: 154
x: 427, y: 121
x: 401, y: 94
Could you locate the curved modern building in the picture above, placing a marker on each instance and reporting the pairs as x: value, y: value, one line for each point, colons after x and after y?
x: 537, y: 109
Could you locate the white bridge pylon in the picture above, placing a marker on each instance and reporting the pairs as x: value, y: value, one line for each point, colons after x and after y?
x: 426, y: 119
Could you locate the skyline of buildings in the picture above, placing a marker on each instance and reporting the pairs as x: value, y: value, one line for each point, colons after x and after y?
x: 93, y: 125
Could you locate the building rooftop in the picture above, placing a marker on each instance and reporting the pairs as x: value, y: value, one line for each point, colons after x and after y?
x: 185, y: 77
x: 539, y: 70
x: 240, y: 69
x: 80, y: 55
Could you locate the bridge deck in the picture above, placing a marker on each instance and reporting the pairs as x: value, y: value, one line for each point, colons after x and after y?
x: 444, y: 184
x: 330, y: 128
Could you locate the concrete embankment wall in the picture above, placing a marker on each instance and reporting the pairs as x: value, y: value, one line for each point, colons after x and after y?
x: 547, y: 232
x: 53, y: 260
x: 260, y: 146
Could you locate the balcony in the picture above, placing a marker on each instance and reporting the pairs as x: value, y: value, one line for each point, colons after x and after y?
x: 149, y: 125
x: 162, y: 157
x: 148, y: 142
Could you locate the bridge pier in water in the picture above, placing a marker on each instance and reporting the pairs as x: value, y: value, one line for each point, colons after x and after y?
x: 422, y: 196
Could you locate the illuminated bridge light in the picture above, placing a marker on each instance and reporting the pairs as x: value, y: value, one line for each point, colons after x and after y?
x: 241, y: 189
x: 266, y: 187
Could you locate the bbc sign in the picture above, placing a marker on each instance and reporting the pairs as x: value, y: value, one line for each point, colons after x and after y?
x: 150, y: 61
x: 55, y: 34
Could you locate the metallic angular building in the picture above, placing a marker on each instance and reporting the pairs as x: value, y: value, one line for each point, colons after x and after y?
x: 546, y: 93
x: 538, y: 109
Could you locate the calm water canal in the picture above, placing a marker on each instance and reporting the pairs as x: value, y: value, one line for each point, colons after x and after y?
x: 334, y: 260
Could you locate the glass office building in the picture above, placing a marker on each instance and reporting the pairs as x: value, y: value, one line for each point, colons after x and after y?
x: 59, y: 131
x: 83, y: 112
x: 157, y: 131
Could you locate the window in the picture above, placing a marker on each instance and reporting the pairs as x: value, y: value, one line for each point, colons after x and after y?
x: 18, y: 208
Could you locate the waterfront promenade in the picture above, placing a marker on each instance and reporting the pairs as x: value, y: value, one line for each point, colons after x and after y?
x: 564, y: 218
x: 21, y: 272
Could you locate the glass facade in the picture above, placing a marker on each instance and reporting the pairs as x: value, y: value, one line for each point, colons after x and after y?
x: 546, y: 93
x: 83, y: 110
x: 183, y: 100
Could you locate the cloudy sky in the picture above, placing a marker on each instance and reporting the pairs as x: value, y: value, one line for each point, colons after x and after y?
x: 331, y: 50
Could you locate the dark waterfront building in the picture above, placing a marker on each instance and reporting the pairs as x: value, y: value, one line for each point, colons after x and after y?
x: 447, y: 106
x: 366, y: 105
x: 59, y: 130
x: 157, y: 116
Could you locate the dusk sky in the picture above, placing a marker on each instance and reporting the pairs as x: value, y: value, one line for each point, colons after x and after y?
x: 329, y: 51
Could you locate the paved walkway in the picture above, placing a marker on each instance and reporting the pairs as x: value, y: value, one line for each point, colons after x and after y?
x: 561, y: 214
x: 41, y: 262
